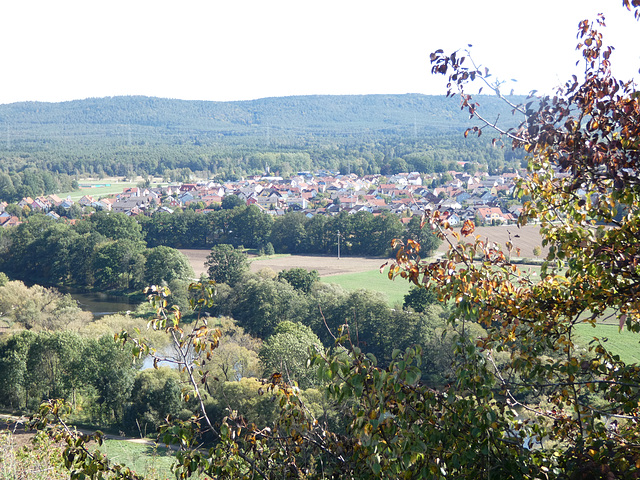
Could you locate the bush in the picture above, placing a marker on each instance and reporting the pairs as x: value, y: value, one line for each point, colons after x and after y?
x: 268, y: 249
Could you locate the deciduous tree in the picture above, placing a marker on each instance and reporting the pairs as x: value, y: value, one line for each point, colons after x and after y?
x: 584, y: 168
x: 116, y: 226
x: 300, y: 278
x: 287, y: 351
x: 419, y: 298
x: 165, y: 264
x: 225, y: 264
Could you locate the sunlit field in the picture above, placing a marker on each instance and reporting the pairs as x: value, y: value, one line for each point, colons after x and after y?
x: 393, y: 290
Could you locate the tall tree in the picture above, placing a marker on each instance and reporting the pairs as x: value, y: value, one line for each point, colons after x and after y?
x: 116, y: 226
x: 226, y: 264
x: 108, y: 369
x: 251, y: 227
x: 260, y: 305
x: 287, y: 351
x: 288, y: 232
x: 165, y: 264
x: 49, y: 366
x: 14, y: 351
x: 119, y: 264
x: 229, y: 202
x: 300, y: 278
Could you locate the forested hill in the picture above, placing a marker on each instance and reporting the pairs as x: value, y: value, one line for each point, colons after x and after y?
x: 290, y: 117
x: 177, y: 139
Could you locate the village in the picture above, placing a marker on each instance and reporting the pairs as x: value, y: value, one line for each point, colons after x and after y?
x: 486, y: 199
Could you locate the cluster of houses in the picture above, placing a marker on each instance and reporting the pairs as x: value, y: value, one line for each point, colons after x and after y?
x: 480, y: 196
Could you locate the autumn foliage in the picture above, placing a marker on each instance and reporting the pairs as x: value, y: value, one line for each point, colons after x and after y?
x: 584, y: 169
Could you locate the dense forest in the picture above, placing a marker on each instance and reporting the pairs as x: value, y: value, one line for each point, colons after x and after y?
x: 125, y: 136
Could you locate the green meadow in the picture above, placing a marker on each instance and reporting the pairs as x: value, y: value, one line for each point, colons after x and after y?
x: 105, y: 187
x: 154, y: 462
x: 98, y: 191
x: 394, y: 290
x: 624, y: 343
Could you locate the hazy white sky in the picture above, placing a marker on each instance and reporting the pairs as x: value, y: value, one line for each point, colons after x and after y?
x: 245, y: 49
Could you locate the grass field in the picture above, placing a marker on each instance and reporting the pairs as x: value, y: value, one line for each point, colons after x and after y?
x: 624, y: 343
x: 115, y: 186
x: 98, y: 192
x: 394, y: 291
x: 152, y: 462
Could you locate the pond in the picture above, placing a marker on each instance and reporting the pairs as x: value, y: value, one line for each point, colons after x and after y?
x: 101, y: 303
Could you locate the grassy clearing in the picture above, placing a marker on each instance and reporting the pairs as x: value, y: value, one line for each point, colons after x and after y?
x: 623, y: 343
x: 152, y: 462
x: 98, y: 192
x: 394, y: 290
x: 373, y: 280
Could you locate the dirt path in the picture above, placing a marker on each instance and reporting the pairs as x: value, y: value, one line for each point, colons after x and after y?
x: 22, y: 435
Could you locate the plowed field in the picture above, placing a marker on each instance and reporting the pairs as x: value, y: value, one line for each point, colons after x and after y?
x: 325, y: 265
x: 525, y: 238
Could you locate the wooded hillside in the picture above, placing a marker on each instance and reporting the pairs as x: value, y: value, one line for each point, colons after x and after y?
x: 128, y: 136
x: 338, y: 116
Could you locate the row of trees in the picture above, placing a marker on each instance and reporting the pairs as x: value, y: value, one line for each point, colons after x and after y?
x: 361, y: 233
x: 111, y: 251
x: 106, y: 251
x: 60, y: 364
x: 32, y: 182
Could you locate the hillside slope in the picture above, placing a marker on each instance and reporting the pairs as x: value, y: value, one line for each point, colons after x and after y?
x: 341, y: 115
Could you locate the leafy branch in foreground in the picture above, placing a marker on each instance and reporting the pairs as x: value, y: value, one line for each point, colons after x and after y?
x: 81, y: 461
x: 584, y: 167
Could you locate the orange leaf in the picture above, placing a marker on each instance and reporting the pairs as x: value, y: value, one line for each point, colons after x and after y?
x: 468, y: 228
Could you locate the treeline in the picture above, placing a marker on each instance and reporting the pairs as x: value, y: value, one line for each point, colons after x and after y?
x: 33, y: 182
x: 301, y: 116
x: 42, y: 365
x: 105, y: 251
x: 182, y: 160
x: 360, y: 234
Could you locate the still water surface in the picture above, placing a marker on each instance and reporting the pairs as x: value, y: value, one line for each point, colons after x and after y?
x: 102, y: 304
